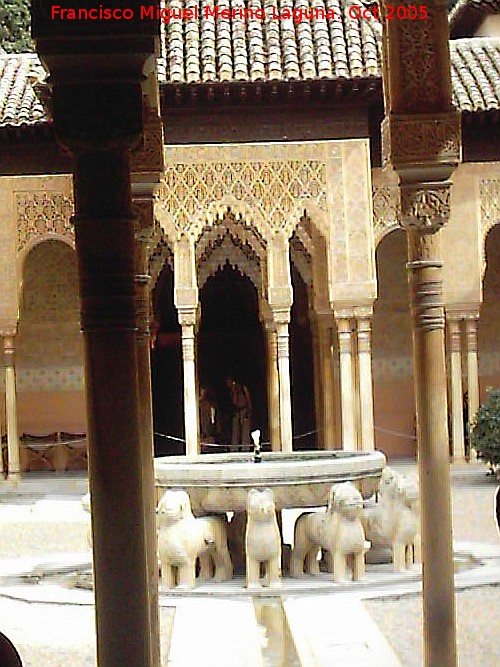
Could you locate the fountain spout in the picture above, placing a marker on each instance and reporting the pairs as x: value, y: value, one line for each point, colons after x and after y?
x: 257, y: 456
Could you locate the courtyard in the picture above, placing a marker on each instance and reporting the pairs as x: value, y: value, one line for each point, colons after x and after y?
x: 52, y: 625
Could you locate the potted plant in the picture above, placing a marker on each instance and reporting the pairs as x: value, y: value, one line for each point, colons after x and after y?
x: 485, y: 432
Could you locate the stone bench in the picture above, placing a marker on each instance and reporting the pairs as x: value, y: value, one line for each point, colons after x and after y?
x: 55, y: 452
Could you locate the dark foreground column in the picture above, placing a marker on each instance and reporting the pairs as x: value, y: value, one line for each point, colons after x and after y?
x: 104, y: 228
x: 96, y: 70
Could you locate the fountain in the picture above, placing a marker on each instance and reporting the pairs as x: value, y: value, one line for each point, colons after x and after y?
x: 220, y: 482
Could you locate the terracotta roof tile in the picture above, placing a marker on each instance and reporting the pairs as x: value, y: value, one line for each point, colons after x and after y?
x: 475, y: 72
x: 19, y: 104
x: 267, y: 44
x: 209, y: 50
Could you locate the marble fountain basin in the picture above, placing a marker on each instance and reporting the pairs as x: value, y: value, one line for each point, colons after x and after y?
x: 220, y: 482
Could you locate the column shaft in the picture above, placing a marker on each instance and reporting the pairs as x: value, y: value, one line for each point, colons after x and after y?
x: 318, y: 389
x: 472, y: 367
x: 190, y: 398
x: 104, y: 231
x: 425, y: 282
x: 284, y: 388
x: 327, y: 441
x: 457, y: 423
x: 273, y: 391
x: 147, y: 447
x: 365, y: 385
x: 13, y: 454
x: 347, y: 385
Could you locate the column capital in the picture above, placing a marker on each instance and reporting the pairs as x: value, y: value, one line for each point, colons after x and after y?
x: 352, y: 311
x: 281, y: 316
x: 187, y: 317
x: 425, y: 206
x: 455, y: 335
x: 471, y: 334
x: 364, y: 334
x: 8, y: 334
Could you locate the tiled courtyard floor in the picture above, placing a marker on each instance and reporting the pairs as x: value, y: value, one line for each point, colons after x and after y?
x: 53, y: 635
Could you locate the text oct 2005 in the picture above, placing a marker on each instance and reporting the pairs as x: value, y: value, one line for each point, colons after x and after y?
x: 152, y: 12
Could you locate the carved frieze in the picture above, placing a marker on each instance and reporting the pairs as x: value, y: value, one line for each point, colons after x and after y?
x: 417, y: 59
x: 41, y: 213
x: 489, y: 193
x: 269, y: 194
x: 423, y: 138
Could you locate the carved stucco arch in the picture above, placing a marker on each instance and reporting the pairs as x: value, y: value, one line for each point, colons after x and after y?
x: 34, y: 242
x: 385, y: 212
x: 229, y: 238
x: 489, y: 197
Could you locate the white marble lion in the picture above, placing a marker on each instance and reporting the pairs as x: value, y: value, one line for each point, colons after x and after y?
x: 394, y: 522
x: 337, y: 531
x: 182, y: 539
x: 262, y: 539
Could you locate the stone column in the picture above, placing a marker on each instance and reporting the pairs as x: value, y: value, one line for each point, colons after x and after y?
x: 346, y: 383
x: 421, y: 138
x: 273, y: 390
x: 280, y: 297
x: 365, y: 384
x: 457, y: 424
x: 285, y: 402
x: 472, y: 366
x: 425, y: 268
x: 143, y: 294
x: 186, y: 301
x: 191, y: 426
x: 327, y: 390
x: 13, y: 454
x: 97, y: 115
x: 104, y: 230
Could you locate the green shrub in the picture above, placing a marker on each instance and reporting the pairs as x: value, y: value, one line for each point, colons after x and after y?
x: 485, y: 433
x: 15, y: 21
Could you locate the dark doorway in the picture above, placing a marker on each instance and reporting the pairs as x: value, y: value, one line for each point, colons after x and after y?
x: 166, y: 369
x: 231, y: 343
x: 302, y: 367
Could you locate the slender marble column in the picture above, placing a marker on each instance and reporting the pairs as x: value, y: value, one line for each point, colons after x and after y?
x: 365, y: 384
x: 142, y: 294
x: 284, y: 387
x: 347, y: 384
x: 273, y: 390
x: 457, y: 424
x: 191, y: 426
x: 472, y: 367
x: 425, y: 283
x: 104, y: 231
x: 318, y: 389
x: 328, y: 399
x: 14, y: 469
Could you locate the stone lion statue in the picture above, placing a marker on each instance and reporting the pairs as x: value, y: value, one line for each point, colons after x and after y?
x: 262, y: 539
x: 337, y: 531
x: 394, y: 522
x: 182, y: 539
